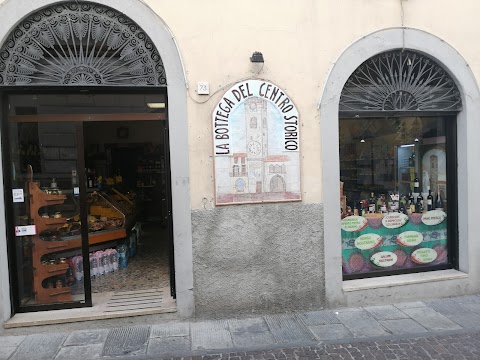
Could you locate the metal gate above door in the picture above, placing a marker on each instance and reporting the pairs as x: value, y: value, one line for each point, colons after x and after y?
x: 80, y: 43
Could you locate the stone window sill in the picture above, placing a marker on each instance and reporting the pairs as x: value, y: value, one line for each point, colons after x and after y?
x: 404, y: 279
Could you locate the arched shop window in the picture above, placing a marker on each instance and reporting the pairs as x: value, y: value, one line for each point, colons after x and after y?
x: 397, y: 151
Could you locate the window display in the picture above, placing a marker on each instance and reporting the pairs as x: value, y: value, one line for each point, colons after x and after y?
x: 393, y: 189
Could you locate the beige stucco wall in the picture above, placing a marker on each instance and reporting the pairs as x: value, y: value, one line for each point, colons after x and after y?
x: 300, y: 41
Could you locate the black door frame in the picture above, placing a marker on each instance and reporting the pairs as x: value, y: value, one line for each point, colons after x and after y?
x: 6, y: 156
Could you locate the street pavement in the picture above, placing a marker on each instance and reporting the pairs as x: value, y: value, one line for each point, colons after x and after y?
x: 438, y: 329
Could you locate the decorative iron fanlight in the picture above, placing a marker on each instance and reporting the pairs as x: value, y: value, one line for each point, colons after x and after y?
x: 400, y: 81
x: 80, y: 43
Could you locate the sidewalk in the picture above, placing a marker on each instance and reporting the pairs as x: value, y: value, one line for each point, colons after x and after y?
x: 303, y: 334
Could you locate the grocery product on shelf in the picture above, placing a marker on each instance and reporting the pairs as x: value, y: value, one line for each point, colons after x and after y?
x: 53, y: 275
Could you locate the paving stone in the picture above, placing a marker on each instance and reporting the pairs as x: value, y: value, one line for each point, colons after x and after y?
x: 6, y: 351
x: 467, y: 299
x: 470, y: 302
x: 39, y: 346
x: 386, y: 312
x: 322, y: 317
x: 430, y: 319
x: 330, y: 332
x: 167, y: 330
x: 403, y: 326
x: 447, y: 307
x: 83, y: 352
x: 287, y: 328
x: 457, y: 313
x: 242, y: 325
x: 127, y: 341
x: 361, y: 324
x: 8, y: 341
x: 353, y: 314
x: 408, y: 305
x: 88, y: 337
x: 473, y: 307
x: 210, y: 335
x: 167, y: 345
x: 246, y: 339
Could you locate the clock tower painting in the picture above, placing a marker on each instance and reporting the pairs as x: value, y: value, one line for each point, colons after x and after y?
x: 256, y: 144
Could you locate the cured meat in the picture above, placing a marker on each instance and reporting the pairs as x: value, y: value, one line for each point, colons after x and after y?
x: 441, y: 250
x: 356, y: 262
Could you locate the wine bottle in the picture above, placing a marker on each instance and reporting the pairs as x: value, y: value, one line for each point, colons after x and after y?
x: 378, y: 208
x: 411, y: 203
x: 355, y: 209
x: 416, y: 184
x: 419, y: 204
x: 371, y: 207
x: 383, y: 204
x: 439, y: 202
x: 429, y: 200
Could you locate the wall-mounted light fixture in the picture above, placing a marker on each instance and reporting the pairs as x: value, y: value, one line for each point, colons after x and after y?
x: 257, y: 57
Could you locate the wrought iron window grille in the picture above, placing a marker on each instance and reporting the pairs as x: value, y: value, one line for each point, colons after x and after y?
x: 79, y: 43
x: 400, y: 81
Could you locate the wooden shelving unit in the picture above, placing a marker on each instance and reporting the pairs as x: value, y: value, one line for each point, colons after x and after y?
x: 39, y: 199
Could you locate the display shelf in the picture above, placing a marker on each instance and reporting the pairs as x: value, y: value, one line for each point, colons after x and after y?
x: 40, y: 246
x: 38, y: 200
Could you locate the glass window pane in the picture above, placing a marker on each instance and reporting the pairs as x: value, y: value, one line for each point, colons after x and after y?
x: 393, y: 174
x: 46, y: 212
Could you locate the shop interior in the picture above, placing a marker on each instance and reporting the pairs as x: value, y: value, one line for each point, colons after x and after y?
x: 391, y: 163
x: 118, y: 142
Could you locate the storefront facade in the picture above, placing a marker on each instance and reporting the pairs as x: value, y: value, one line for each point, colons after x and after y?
x: 278, y: 256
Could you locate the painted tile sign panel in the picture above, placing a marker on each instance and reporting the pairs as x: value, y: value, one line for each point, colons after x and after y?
x: 256, y: 140
x: 394, y: 241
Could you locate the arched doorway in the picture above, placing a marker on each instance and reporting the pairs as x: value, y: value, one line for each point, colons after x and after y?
x: 88, y: 45
x: 277, y: 184
x: 240, y: 185
x: 369, y: 46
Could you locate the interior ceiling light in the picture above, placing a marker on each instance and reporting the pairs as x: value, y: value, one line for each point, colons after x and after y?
x: 362, y: 141
x: 156, y: 105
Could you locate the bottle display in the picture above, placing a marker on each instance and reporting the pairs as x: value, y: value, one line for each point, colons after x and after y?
x: 400, y: 177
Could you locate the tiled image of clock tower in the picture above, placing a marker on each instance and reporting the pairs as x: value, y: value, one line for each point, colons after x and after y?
x: 257, y: 143
x: 255, y: 175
